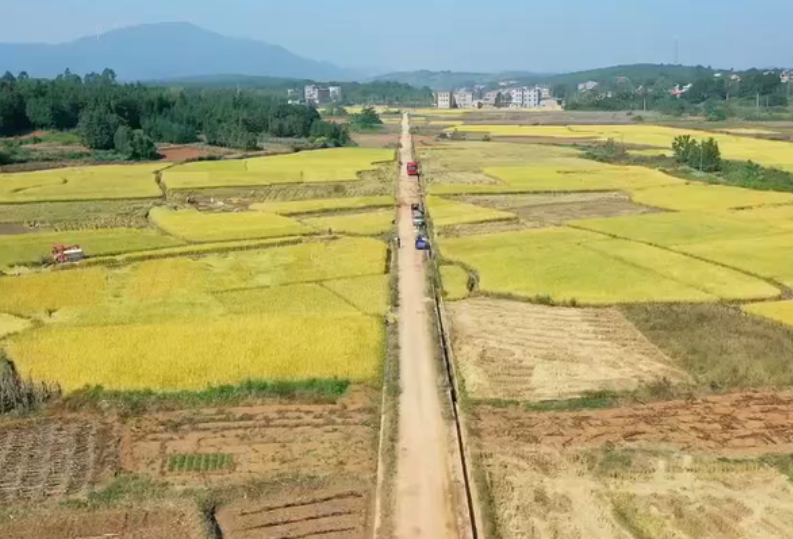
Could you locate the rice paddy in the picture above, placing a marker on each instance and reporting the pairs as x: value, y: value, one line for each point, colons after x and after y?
x: 280, y: 313
x: 567, y: 265
x: 779, y: 311
x: 455, y: 282
x: 594, y: 178
x: 766, y: 152
x: 298, y: 207
x: 446, y: 212
x: 321, y: 166
x: 365, y: 223
x: 32, y: 248
x: 82, y: 183
x: 197, y: 227
x: 698, y: 196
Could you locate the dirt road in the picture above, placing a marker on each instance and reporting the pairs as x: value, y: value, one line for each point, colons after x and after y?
x: 424, y: 498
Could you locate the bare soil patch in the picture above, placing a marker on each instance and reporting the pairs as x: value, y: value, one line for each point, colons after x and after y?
x: 167, y: 520
x: 332, y: 510
x: 264, y: 442
x: 55, y: 458
x: 181, y: 153
x: 514, y: 350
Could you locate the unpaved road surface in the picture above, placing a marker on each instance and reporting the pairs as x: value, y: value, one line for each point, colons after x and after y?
x: 424, y: 496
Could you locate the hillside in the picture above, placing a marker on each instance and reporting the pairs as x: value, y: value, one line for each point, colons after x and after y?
x: 446, y: 80
x: 165, y: 51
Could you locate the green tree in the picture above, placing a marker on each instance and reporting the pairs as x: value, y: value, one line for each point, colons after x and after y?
x: 684, y: 147
x: 98, y: 128
x: 366, y: 119
x: 710, y: 156
x: 122, y: 140
x: 142, y: 147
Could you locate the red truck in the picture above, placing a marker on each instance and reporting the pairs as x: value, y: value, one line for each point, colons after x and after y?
x: 413, y: 168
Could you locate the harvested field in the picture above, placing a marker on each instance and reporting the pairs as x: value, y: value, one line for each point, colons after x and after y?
x: 514, y: 350
x: 43, y: 458
x: 177, y: 154
x: 573, y: 494
x: 736, y: 424
x: 264, y: 442
x: 78, y: 215
x: 335, y: 510
x: 165, y: 520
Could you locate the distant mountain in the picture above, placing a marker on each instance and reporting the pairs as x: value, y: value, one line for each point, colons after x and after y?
x: 165, y: 51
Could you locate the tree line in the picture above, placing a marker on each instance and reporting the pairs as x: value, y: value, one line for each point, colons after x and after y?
x: 717, y: 97
x: 130, y: 118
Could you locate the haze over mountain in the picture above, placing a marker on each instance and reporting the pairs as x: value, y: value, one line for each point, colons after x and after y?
x: 164, y: 51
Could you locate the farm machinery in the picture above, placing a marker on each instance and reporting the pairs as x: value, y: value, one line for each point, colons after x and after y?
x: 62, y: 254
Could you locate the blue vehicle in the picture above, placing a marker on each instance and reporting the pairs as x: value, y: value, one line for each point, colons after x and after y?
x: 422, y: 244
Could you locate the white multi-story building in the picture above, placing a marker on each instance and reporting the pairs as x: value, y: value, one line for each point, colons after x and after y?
x: 464, y: 100
x: 316, y: 95
x: 443, y: 100
x: 491, y: 99
x: 293, y: 96
x: 335, y: 94
x: 525, y: 97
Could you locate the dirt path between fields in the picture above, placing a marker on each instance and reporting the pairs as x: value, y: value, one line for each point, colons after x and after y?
x: 424, y: 496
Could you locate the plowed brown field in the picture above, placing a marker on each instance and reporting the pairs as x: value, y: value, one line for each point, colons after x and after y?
x: 514, y: 350
x: 329, y: 511
x: 55, y: 458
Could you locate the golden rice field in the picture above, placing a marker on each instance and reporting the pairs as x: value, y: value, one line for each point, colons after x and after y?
x: 333, y: 165
x: 12, y: 324
x: 676, y: 229
x: 594, y: 178
x: 365, y: 223
x: 446, y: 212
x: 766, y: 152
x: 779, y: 311
x: 82, y: 183
x: 282, y: 313
x: 188, y: 355
x: 769, y: 256
x: 194, y: 226
x: 31, y: 248
x: 455, y: 282
x: 574, y: 265
x: 706, y: 197
x: 297, y: 207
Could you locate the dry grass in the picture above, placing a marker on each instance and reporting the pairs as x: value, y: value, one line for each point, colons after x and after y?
x: 713, y: 343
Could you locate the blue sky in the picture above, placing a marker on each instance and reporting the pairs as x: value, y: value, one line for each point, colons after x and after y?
x: 547, y: 36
